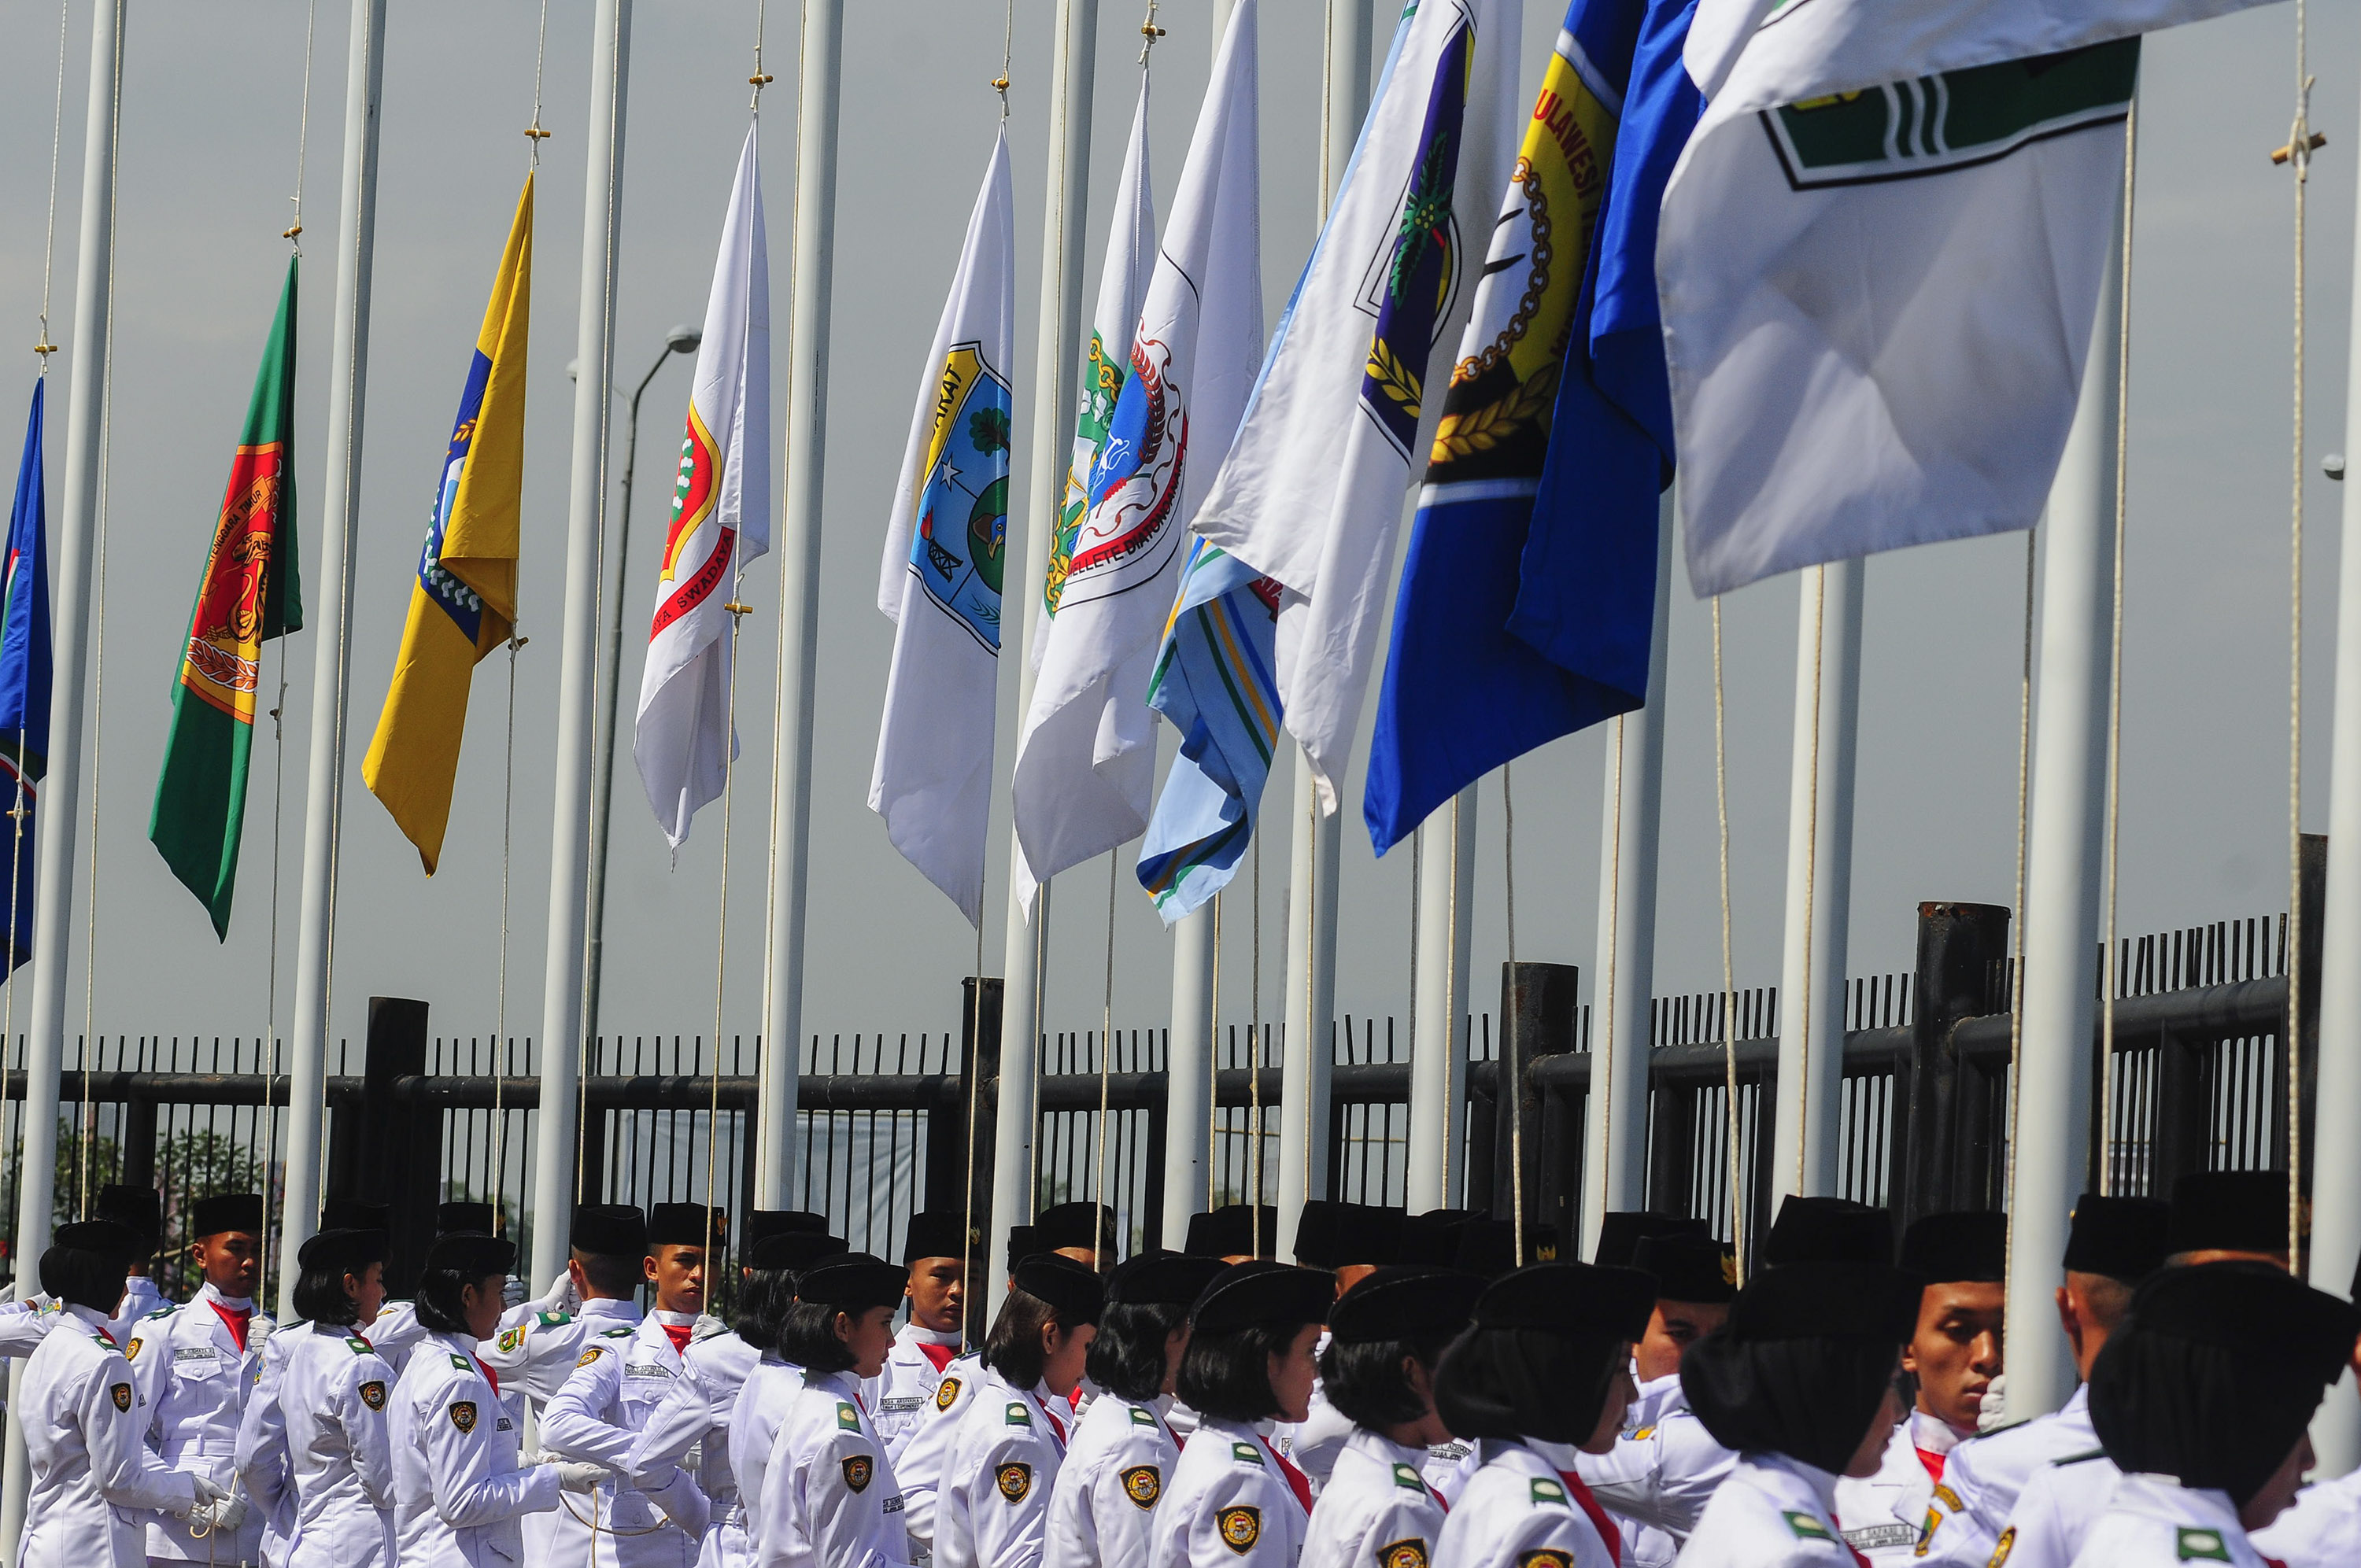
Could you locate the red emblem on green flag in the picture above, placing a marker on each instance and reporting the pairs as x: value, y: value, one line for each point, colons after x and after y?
x: 249, y: 594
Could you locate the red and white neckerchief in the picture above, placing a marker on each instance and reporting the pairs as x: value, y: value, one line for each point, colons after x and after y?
x: 1297, y: 1481
x: 235, y: 1318
x: 1600, y: 1521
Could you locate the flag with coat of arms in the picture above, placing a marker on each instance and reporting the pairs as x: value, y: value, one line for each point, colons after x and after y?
x: 25, y: 671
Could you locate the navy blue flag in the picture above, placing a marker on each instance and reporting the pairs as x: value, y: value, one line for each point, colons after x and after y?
x: 25, y: 678
x: 1527, y: 595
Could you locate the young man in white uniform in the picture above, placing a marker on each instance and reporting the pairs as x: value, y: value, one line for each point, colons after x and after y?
x: 935, y: 1251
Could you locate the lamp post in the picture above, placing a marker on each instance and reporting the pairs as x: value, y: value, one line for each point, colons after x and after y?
x: 679, y: 340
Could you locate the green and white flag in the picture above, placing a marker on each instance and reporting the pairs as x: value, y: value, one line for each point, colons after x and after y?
x: 1880, y: 262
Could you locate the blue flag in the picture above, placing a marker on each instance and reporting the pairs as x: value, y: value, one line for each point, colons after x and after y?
x: 25, y: 677
x: 1528, y: 595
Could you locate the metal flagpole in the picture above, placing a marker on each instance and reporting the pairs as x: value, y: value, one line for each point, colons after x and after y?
x: 1819, y: 881
x: 1054, y: 372
x: 54, y: 855
x: 818, y: 91
x: 331, y: 676
x: 2049, y: 1145
x: 569, y: 847
x: 1310, y: 980
x: 1445, y: 913
x: 1615, y: 1126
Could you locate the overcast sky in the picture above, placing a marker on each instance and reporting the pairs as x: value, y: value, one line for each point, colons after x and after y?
x: 211, y: 99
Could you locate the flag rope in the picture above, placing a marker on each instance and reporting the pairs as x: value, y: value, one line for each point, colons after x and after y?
x: 1728, y: 970
x: 1254, y: 1053
x: 1811, y: 872
x: 501, y: 994
x: 293, y: 234
x: 42, y: 345
x: 2300, y: 147
x: 737, y: 614
x: 1213, y: 1063
x: 1605, y: 1053
x: 1106, y: 1050
x: 2112, y: 977
x: 1007, y: 55
x: 534, y: 135
x: 2016, y: 940
x: 1508, y: 1031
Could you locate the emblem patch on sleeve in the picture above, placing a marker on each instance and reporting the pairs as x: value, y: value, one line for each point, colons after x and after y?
x: 512, y: 1339
x: 947, y: 1394
x: 373, y: 1394
x: 1805, y: 1526
x: 1240, y: 1528
x: 1544, y: 1560
x: 2007, y: 1544
x: 1410, y: 1554
x: 587, y: 1356
x: 121, y: 1394
x: 131, y: 1351
x: 462, y: 1415
x: 1014, y: 1481
x: 1143, y: 1484
x: 2202, y: 1546
x: 858, y: 1468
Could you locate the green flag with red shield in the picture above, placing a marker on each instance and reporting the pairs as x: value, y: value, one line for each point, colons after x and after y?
x: 249, y: 594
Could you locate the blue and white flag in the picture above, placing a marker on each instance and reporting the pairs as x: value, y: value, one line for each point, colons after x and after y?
x: 946, y: 545
x: 25, y: 677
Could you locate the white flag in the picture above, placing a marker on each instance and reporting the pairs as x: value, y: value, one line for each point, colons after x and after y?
x: 1879, y: 263
x: 1086, y: 762
x: 1312, y: 495
x: 720, y: 521
x: 940, y: 580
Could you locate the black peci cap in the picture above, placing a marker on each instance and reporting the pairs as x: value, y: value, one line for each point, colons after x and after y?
x: 1486, y: 1247
x: 1162, y: 1280
x: 1086, y: 1226
x: 352, y: 1214
x: 1828, y: 1301
x: 136, y: 1208
x: 1570, y: 1299
x: 225, y: 1212
x: 684, y: 1225
x: 1071, y: 1287
x: 1433, y: 1238
x: 1333, y: 1235
x: 1829, y: 1230
x: 2229, y: 1211
x: 348, y: 1251
x: 472, y: 1255
x: 853, y: 1283
x: 794, y: 1251
x: 761, y: 1223
x: 1024, y: 1240
x: 1235, y: 1230
x: 463, y: 1219
x: 1689, y: 1267
x: 935, y: 1232
x: 1621, y: 1231
x: 608, y: 1230
x: 2122, y: 1238
x: 1405, y: 1302
x: 1262, y: 1292
x: 107, y: 1238
x: 1962, y: 1245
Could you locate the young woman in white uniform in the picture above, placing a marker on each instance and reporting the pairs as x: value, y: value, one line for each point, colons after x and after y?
x: 332, y: 1392
x: 830, y: 1496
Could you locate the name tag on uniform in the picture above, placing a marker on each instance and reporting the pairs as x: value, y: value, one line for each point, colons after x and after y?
x: 893, y: 1505
x: 196, y: 1353
x: 647, y: 1369
x: 901, y: 1406
x: 1870, y: 1537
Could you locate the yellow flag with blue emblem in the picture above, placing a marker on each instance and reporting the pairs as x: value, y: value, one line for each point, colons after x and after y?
x: 463, y: 602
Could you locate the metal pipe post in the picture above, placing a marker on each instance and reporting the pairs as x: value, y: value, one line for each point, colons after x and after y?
x: 1820, y: 883
x: 569, y: 835
x: 1054, y: 379
x: 1188, y: 1091
x: 1438, y: 1031
x: 1615, y: 1122
x: 2050, y: 1142
x: 61, y: 788
x: 817, y: 91
x: 332, y: 671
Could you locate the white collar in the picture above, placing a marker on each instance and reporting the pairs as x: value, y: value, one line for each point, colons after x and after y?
x: 674, y: 1320
x: 1383, y: 1449
x: 621, y: 1307
x: 918, y: 1333
x: 1931, y: 1433
x: 1822, y: 1483
x: 207, y: 1293
x: 89, y: 1315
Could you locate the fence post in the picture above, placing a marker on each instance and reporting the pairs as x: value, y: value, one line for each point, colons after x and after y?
x: 139, y: 1144
x: 958, y: 1152
x: 399, y: 1149
x: 1537, y: 1018
x: 1956, y: 945
x: 2315, y: 889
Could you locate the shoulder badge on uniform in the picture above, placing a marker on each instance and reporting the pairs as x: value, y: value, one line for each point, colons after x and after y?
x: 1805, y: 1527
x: 159, y: 1312
x: 858, y: 1468
x: 131, y: 1351
x: 2202, y: 1545
x: 1247, y: 1452
x: 511, y: 1338
x: 462, y: 1415
x: 1407, y: 1477
x: 1018, y: 1416
x: 1014, y: 1481
x: 1407, y: 1553
x: 553, y: 1320
x: 1143, y: 1484
x: 373, y: 1394
x: 1544, y: 1559
x: 1546, y: 1491
x: 2007, y: 1544
x: 121, y: 1394
x: 1240, y: 1527
x: 358, y: 1345
x: 2079, y: 1458
x: 1639, y: 1434
x: 461, y: 1363
x: 618, y: 1333
x: 1141, y: 1418
x: 587, y: 1356
x: 947, y: 1393
x: 847, y: 1418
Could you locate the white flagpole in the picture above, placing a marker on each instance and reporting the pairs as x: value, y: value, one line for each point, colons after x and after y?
x: 818, y: 91
x: 62, y: 791
x: 331, y: 675
x: 1819, y: 881
x: 2049, y: 1142
x: 1314, y: 874
x: 1070, y: 76
x: 1438, y: 1031
x: 569, y: 840
x: 1615, y: 1126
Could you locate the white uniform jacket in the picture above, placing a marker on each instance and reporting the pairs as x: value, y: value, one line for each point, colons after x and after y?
x: 1519, y: 1511
x: 2156, y: 1522
x: 140, y: 1298
x: 753, y: 1426
x: 23, y: 1326
x: 261, y: 1456
x: 902, y: 1397
x: 1312, y: 1443
x: 2323, y: 1528
x: 332, y: 1392
x: 926, y: 1453
x: 1376, y: 1510
x: 1109, y: 1483
x: 458, y: 1490
x: 535, y: 1357
x: 1773, y: 1512
x: 1886, y: 1515
x: 993, y: 1509
x: 1228, y: 1505
x: 194, y: 1372
x: 2057, y: 1509
x: 94, y: 1480
x: 620, y: 1379
x: 1657, y: 1479
x: 1984, y: 1476
x: 1448, y: 1467
x: 719, y: 1365
x: 830, y: 1496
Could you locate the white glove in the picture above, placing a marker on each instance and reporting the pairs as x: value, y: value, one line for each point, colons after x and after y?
x: 205, y: 1493
x: 226, y: 1515
x: 1991, y: 1406
x: 512, y: 1292
x: 678, y: 1499
x: 560, y: 1296
x: 577, y: 1475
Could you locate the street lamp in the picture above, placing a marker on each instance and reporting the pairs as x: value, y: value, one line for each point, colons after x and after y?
x: 679, y: 340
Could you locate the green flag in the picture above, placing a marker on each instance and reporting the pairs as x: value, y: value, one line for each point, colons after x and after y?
x: 248, y: 595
